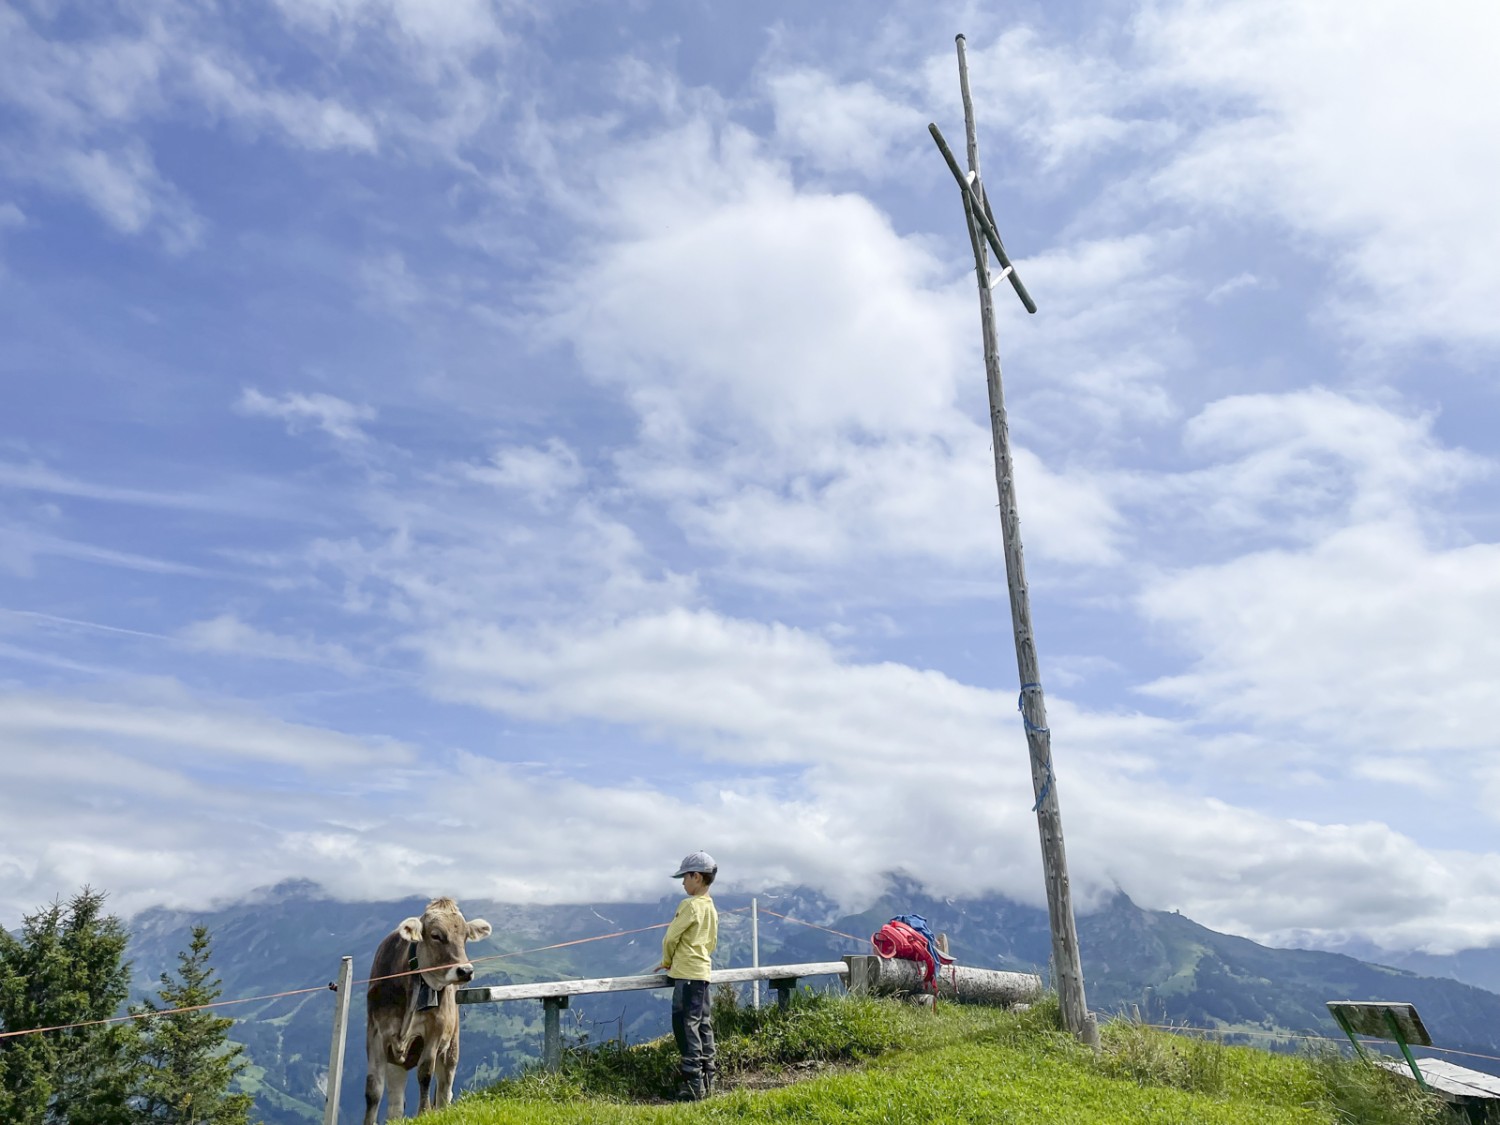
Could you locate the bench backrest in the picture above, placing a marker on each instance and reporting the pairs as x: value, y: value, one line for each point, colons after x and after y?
x: 1380, y: 1020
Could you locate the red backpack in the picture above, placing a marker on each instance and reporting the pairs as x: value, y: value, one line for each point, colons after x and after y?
x: 897, y: 939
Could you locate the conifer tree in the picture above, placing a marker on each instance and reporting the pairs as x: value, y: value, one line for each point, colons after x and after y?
x: 65, y: 968
x: 188, y: 1063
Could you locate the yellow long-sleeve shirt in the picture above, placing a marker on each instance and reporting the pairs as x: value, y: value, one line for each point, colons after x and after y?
x: 691, y: 938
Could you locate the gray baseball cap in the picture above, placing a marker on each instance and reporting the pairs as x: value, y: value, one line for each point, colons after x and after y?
x: 696, y: 861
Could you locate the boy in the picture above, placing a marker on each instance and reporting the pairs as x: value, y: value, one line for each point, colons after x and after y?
x: 692, y: 936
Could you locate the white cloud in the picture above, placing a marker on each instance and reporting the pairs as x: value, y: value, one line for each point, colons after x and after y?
x: 1368, y: 638
x: 1306, y: 462
x: 890, y: 761
x: 338, y: 419
x: 167, y: 801
x: 23, y: 545
x: 1368, y: 128
x: 459, y: 26
x: 786, y: 311
x: 84, y: 102
x: 316, y: 123
x: 1239, y: 283
x: 542, y: 472
x: 934, y: 499
x: 166, y: 730
x: 40, y: 478
x: 836, y: 127
x: 805, y: 403
x: 1066, y: 105
x: 126, y: 190
x: 802, y: 391
x: 1095, y: 380
x: 228, y: 634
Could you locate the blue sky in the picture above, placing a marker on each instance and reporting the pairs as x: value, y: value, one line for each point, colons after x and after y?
x: 496, y: 448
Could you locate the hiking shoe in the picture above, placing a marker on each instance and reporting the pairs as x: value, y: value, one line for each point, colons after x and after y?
x: 691, y: 1089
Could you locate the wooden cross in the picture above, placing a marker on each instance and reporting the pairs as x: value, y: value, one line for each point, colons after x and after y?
x: 1067, y: 965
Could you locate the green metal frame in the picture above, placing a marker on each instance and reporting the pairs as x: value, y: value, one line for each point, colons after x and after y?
x: 1400, y: 1040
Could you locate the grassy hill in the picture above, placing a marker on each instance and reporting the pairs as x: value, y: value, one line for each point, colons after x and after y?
x: 1165, y: 965
x: 883, y: 1061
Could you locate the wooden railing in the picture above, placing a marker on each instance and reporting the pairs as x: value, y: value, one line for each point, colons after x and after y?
x: 863, y: 973
x: 555, y: 995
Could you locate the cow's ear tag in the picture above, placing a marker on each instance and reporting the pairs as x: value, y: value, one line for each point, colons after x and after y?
x: 479, y: 929
x: 411, y: 929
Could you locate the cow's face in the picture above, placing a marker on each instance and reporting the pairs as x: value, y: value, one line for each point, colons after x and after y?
x: 441, y: 935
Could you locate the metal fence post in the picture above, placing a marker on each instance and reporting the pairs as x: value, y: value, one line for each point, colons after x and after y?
x: 340, y: 1035
x: 755, y: 951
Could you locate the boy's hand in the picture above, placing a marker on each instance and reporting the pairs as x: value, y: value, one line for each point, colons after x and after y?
x: 663, y: 967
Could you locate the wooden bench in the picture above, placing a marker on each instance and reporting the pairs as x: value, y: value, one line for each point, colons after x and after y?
x: 1399, y: 1023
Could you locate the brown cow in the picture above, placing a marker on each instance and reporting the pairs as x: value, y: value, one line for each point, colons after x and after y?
x: 412, y: 1020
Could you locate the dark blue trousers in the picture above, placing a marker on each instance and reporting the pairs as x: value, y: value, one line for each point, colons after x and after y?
x: 692, y: 1027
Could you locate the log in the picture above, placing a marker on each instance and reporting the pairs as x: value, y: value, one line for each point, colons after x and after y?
x: 875, y: 976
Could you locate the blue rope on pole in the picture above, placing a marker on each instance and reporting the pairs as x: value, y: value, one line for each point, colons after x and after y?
x: 1032, y: 727
x: 1021, y: 707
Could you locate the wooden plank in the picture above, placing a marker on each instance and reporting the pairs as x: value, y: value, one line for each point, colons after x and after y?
x: 1482, y: 1085
x: 1451, y: 1081
x: 546, y: 989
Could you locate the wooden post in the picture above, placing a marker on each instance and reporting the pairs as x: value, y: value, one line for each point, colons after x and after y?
x: 863, y: 973
x: 784, y: 987
x: 1069, y: 977
x: 336, y: 1048
x: 755, y: 951
x: 552, y: 1006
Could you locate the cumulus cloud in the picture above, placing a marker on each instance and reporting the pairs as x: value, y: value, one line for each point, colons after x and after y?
x: 1370, y: 636
x: 1332, y: 125
x: 165, y: 800
x: 837, y: 430
x: 1305, y: 463
x: 842, y: 127
x: 791, y: 383
x: 926, y: 758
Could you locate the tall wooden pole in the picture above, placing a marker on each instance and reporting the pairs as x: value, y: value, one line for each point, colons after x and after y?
x: 1068, y: 966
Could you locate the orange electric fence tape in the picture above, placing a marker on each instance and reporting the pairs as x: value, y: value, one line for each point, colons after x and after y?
x: 814, y: 926
x: 316, y: 988
x: 164, y: 1012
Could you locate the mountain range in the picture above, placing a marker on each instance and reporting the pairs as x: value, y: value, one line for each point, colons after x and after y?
x: 1163, y: 966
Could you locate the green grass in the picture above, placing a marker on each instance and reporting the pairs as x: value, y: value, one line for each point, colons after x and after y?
x: 879, y: 1061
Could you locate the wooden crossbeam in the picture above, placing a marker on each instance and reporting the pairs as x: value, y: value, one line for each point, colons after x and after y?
x: 548, y: 989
